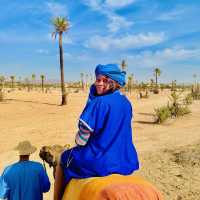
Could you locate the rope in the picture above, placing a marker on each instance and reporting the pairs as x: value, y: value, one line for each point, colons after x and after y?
x: 44, y: 166
x: 69, y: 160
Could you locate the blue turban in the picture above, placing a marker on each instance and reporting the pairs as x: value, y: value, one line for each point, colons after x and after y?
x: 112, y: 71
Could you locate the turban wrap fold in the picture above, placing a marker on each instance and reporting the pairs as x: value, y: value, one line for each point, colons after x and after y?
x: 112, y: 71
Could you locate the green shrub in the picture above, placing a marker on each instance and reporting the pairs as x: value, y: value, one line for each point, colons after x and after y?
x: 175, y: 99
x: 188, y: 99
x: 174, y: 108
x: 162, y: 114
x: 178, y: 110
x: 183, y: 110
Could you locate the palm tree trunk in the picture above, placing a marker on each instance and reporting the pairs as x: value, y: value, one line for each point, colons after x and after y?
x: 156, y: 79
x: 42, y: 85
x: 64, y: 102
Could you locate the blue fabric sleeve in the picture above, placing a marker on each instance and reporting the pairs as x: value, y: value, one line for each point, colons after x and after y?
x: 4, y: 188
x: 94, y: 115
x: 44, y: 180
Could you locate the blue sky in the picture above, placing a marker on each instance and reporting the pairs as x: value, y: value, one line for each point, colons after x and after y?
x: 146, y: 33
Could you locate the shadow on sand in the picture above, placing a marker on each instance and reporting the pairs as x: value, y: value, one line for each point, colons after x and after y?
x: 36, y: 102
x: 144, y: 122
x: 147, y: 114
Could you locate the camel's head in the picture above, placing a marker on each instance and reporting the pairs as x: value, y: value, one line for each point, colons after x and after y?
x: 51, y: 154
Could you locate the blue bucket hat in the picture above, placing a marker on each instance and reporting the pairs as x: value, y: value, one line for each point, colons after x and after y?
x: 112, y: 71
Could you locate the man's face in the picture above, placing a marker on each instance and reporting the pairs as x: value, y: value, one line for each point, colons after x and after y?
x: 103, y: 84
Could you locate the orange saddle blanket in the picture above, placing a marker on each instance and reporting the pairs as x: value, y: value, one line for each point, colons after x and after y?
x: 113, y: 187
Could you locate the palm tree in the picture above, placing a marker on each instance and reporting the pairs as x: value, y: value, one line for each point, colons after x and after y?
x: 195, y: 80
x: 12, y: 81
x: 2, y: 80
x: 61, y: 25
x: 151, y: 84
x: 91, y: 79
x: 130, y: 83
x: 86, y: 81
x: 173, y: 85
x: 157, y: 73
x: 132, y: 76
x: 33, y: 76
x: 19, y: 82
x: 123, y: 65
x: 27, y: 84
x: 82, y: 81
x: 42, y: 79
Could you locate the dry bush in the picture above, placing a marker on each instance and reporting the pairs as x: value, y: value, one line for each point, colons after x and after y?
x: 144, y: 95
x: 188, y: 99
x: 76, y: 91
x: 162, y: 114
x: 183, y: 110
x: 156, y: 91
x: 174, y: 109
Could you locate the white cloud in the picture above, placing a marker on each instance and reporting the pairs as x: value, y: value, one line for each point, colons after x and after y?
x: 117, y: 23
x: 94, y: 4
x: 76, y: 57
x: 42, y: 51
x: 127, y: 42
x: 56, y: 9
x: 178, y: 53
x: 108, y: 4
x: 67, y: 40
x: 83, y: 57
x: 118, y: 3
x: 13, y: 37
x: 169, y: 16
x: 67, y: 55
x: 173, y: 14
x: 163, y: 57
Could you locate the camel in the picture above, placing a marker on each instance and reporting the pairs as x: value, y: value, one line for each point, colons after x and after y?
x: 110, y: 187
x: 51, y: 155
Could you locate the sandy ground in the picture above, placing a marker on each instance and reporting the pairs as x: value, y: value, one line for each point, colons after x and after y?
x: 169, y: 153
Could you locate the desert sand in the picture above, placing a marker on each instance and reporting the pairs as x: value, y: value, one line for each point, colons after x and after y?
x: 169, y: 154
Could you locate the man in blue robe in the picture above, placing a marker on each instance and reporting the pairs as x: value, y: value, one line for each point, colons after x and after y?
x: 24, y: 180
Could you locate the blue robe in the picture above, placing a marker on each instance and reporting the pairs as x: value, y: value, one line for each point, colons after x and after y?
x: 26, y: 180
x: 110, y: 148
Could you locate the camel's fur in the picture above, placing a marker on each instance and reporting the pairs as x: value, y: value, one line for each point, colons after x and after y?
x: 51, y: 154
